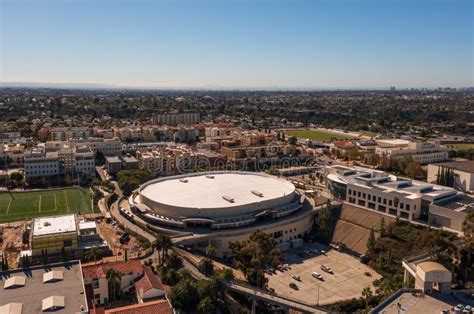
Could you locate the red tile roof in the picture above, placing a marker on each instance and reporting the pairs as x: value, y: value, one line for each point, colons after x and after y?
x: 149, y: 281
x: 154, y: 307
x: 100, y: 270
x: 344, y: 144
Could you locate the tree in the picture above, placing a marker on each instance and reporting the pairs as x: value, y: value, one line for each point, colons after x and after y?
x: 371, y: 240
x: 114, y: 278
x: 292, y: 140
x: 382, y: 227
x: 323, y: 221
x: 162, y: 243
x: 5, y: 262
x: 206, y: 305
x: 129, y: 180
x: 184, y: 295
x: 205, y: 266
x: 367, y: 295
x: 252, y: 256
x: 99, y: 159
x: 210, y: 251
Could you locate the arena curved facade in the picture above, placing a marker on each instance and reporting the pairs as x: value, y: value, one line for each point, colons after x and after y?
x: 216, y: 200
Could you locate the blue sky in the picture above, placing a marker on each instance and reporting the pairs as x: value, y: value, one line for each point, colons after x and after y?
x: 239, y: 43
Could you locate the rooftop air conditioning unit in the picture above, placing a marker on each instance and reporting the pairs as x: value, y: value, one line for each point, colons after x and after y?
x: 228, y: 198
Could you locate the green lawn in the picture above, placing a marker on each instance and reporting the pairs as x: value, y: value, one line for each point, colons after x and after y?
x: 368, y: 133
x: 461, y: 146
x: 28, y: 205
x: 318, y: 135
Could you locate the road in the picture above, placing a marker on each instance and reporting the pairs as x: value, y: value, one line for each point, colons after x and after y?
x: 274, y: 299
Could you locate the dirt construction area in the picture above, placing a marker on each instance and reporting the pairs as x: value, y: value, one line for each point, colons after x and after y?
x: 347, y: 282
x: 11, y: 244
x: 111, y: 233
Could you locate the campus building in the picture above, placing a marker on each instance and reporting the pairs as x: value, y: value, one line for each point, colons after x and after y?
x: 463, y: 173
x: 65, y: 134
x: 57, y: 288
x: 225, y: 206
x: 51, y: 235
x: 108, y: 147
x: 422, y: 152
x: 175, y: 118
x: 58, y: 158
x: 399, y: 197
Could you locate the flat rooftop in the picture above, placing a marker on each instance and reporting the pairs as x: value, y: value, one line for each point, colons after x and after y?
x: 31, y: 295
x: 53, y: 225
x: 381, y: 181
x: 113, y: 159
x: 424, y: 303
x: 392, y: 142
x: 464, y: 166
x: 209, y: 190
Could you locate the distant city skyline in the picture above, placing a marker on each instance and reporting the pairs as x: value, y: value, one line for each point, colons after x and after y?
x: 241, y: 44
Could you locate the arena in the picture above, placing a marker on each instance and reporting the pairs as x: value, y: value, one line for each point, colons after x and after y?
x: 216, y: 200
x: 221, y: 207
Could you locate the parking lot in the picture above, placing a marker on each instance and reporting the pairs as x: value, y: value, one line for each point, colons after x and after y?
x: 346, y: 282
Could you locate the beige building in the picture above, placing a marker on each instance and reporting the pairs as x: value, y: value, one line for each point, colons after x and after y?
x: 463, y: 170
x: 399, y: 197
x: 422, y: 152
x: 95, y: 275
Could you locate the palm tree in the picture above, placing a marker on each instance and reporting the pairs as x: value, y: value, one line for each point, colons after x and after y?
x: 157, y: 247
x: 206, y: 305
x: 164, y: 243
x: 114, y: 278
x: 93, y: 253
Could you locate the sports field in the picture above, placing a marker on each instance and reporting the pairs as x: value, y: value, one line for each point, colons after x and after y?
x: 318, y: 135
x: 27, y: 205
x: 462, y: 146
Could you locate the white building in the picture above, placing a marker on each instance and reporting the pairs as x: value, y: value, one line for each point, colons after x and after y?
x: 463, y: 170
x: 424, y: 153
x: 58, y: 158
x: 64, y: 134
x: 399, y: 197
x: 108, y: 147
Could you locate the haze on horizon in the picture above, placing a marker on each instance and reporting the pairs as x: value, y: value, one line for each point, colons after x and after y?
x: 238, y: 43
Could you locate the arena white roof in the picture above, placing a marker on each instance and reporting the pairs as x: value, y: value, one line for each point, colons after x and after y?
x: 52, y: 225
x: 217, y: 190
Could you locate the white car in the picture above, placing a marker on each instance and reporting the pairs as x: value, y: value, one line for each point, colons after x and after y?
x: 317, y: 275
x: 327, y: 269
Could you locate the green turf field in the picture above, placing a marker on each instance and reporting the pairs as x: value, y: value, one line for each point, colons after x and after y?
x: 462, y: 146
x: 317, y: 135
x: 28, y: 205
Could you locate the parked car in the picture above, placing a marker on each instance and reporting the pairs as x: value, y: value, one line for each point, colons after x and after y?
x: 293, y: 285
x: 327, y: 269
x: 296, y: 277
x: 317, y: 275
x: 458, y: 308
